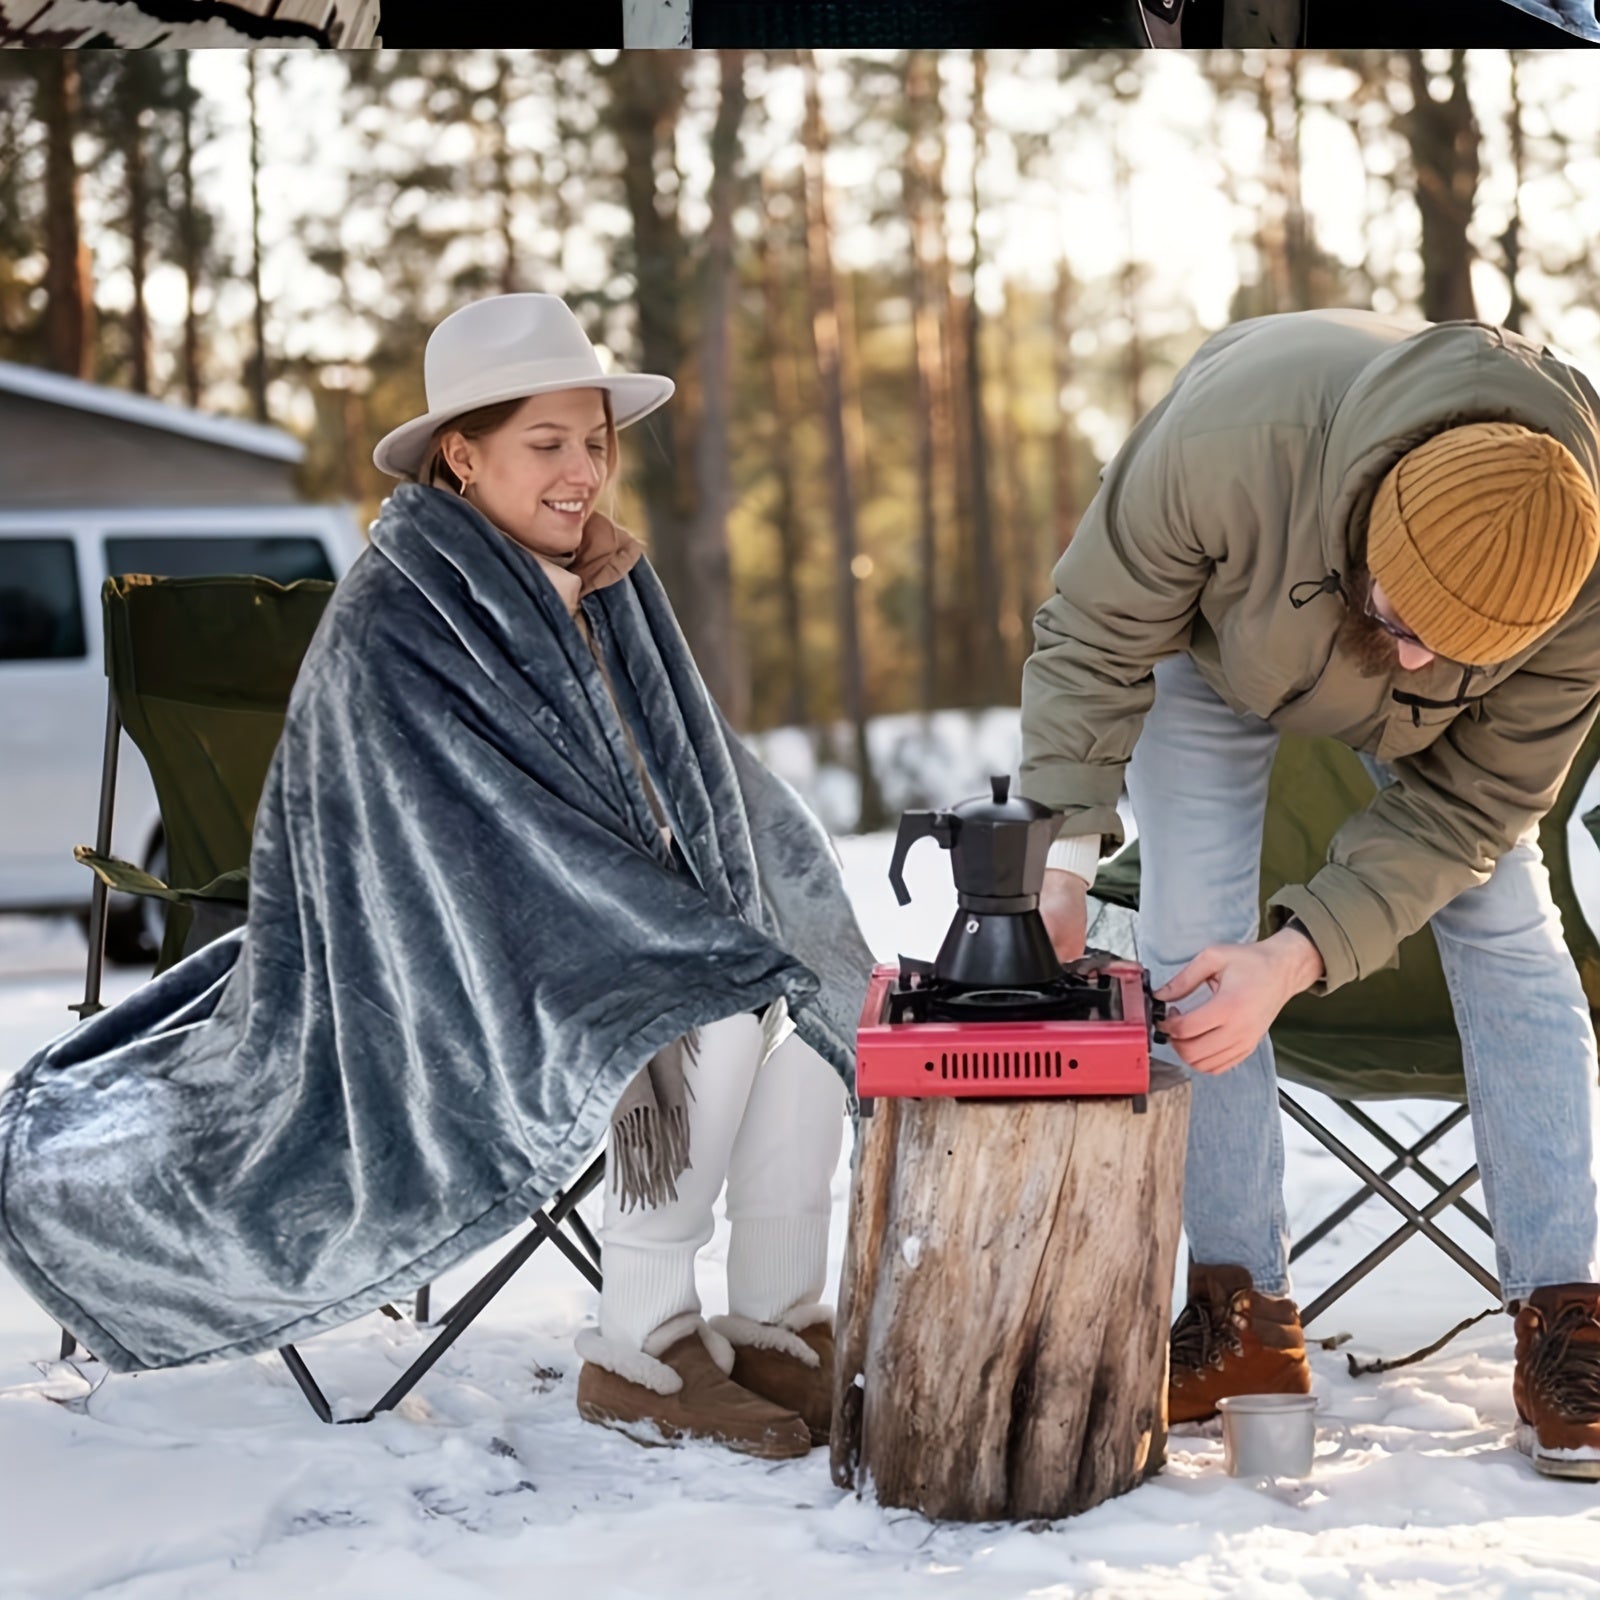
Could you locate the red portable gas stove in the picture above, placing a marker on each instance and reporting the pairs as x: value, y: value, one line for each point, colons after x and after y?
x: 996, y: 1015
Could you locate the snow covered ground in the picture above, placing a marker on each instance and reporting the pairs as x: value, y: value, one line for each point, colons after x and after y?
x: 217, y: 1482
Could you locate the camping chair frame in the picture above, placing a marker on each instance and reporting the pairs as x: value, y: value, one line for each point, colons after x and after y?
x: 584, y: 1254
x: 1377, y: 1184
x: 455, y: 1321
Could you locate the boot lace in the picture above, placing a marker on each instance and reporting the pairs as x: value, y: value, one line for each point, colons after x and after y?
x: 1204, y: 1333
x: 1567, y: 1373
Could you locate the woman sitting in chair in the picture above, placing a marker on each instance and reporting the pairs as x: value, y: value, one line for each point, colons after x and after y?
x: 752, y: 1103
x: 513, y: 879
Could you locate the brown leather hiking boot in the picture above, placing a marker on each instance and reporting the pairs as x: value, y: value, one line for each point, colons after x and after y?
x: 1556, y: 1384
x: 681, y: 1390
x: 793, y: 1368
x: 1230, y: 1339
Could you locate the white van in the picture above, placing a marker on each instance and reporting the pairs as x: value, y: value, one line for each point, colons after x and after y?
x: 53, y: 686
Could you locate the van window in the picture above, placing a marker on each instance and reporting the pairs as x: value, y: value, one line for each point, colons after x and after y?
x: 282, y: 557
x: 41, y: 618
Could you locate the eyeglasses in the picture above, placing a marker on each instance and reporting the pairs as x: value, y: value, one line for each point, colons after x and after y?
x: 1393, y: 629
x: 1406, y: 636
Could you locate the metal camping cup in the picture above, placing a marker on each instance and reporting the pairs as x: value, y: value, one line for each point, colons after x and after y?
x: 1273, y: 1435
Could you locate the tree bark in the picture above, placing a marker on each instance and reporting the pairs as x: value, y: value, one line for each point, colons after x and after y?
x: 829, y: 349
x: 1064, y: 499
x: 1443, y: 135
x: 1511, y: 239
x: 69, y: 280
x: 647, y: 90
x: 132, y: 88
x: 1017, y: 522
x: 1005, y: 1302
x: 921, y: 103
x: 773, y: 243
x: 188, y: 235
x: 504, y: 95
x: 708, y: 619
x: 258, y: 360
x: 990, y: 659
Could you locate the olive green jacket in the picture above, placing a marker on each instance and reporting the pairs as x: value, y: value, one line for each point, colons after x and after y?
x: 1223, y: 527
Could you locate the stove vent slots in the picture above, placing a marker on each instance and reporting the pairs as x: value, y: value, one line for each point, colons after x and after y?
x: 1001, y: 1065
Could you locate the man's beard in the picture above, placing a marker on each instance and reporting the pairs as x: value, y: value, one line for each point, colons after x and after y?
x: 1360, y: 640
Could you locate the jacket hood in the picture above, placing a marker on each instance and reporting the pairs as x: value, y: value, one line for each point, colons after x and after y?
x: 1442, y: 376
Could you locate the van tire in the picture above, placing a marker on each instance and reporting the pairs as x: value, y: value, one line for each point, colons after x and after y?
x: 127, y: 940
x: 127, y: 943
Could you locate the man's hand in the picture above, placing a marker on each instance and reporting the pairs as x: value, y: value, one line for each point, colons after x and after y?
x: 1250, y: 985
x: 1063, y: 903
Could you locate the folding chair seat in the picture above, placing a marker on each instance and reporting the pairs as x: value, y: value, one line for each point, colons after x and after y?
x: 1391, y: 1035
x: 199, y: 672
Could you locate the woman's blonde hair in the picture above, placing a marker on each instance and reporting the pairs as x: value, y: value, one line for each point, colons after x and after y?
x: 437, y: 473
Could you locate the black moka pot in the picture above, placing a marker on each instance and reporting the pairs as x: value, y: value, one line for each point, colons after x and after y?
x: 998, y: 847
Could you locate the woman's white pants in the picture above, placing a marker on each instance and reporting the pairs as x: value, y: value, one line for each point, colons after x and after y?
x: 771, y: 1129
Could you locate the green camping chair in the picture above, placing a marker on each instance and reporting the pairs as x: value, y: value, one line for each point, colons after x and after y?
x: 199, y: 672
x: 1391, y: 1035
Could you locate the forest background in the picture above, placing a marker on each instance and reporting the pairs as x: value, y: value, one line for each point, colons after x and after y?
x: 912, y: 300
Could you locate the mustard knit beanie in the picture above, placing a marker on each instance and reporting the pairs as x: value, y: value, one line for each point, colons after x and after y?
x: 1482, y: 537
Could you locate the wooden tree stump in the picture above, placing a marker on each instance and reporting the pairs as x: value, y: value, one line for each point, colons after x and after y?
x: 1004, y: 1309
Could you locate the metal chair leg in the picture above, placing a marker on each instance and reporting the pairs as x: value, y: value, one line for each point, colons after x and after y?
x: 98, y: 894
x: 1421, y: 1222
x: 561, y: 1210
x: 1406, y: 1156
x: 1403, y: 1159
x: 308, y: 1384
x: 546, y: 1228
x: 580, y: 1231
x: 1387, y: 1248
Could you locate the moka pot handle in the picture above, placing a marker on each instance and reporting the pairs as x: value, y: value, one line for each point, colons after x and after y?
x: 916, y: 825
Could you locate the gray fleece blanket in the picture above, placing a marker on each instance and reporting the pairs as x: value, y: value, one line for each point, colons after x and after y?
x: 465, y: 937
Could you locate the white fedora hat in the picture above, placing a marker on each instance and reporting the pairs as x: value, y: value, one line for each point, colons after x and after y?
x: 506, y: 348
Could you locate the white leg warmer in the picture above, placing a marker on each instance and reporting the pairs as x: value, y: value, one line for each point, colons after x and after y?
x: 647, y: 1254
x: 780, y: 1176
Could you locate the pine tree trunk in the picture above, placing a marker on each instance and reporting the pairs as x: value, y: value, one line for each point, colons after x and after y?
x: 929, y: 281
x: 1064, y: 498
x: 258, y: 360
x: 1444, y: 154
x: 1022, y: 572
x: 69, y: 280
x: 925, y: 362
x: 646, y: 96
x: 189, y: 237
x: 1511, y: 239
x: 132, y: 84
x: 504, y: 94
x: 829, y: 349
x: 773, y: 243
x: 990, y: 658
x: 708, y: 618
x: 1005, y: 1303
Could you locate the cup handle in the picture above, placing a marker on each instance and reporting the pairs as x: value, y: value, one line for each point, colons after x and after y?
x: 1343, y: 1445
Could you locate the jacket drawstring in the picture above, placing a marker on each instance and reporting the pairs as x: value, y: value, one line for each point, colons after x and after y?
x: 1332, y: 584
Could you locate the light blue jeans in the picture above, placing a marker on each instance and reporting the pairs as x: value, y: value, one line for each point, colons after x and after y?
x: 1198, y: 784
